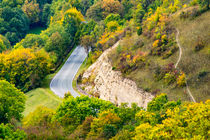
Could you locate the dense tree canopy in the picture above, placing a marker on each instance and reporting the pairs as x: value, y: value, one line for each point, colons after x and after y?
x: 74, y: 110
x: 31, y: 9
x: 24, y: 67
x: 33, y: 56
x: 14, y: 24
x: 92, y: 118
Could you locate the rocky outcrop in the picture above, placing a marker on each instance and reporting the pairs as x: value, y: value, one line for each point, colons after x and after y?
x: 110, y: 85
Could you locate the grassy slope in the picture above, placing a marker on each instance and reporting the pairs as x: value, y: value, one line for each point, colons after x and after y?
x: 43, y: 95
x: 191, y: 62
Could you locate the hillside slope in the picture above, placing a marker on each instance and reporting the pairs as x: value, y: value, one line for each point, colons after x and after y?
x: 192, y: 64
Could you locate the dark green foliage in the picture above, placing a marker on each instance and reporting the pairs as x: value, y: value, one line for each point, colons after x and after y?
x: 139, y: 31
x: 127, y: 114
x: 127, y: 4
x: 88, y: 28
x: 70, y: 26
x: 12, y: 3
x: 85, y: 5
x: 14, y: 24
x: 109, y: 131
x: 204, y: 4
x: 43, y: 2
x: 46, y: 14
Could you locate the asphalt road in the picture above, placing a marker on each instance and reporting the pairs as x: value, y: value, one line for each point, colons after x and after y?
x: 62, y: 82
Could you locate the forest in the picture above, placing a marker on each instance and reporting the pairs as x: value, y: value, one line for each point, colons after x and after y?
x: 36, y: 36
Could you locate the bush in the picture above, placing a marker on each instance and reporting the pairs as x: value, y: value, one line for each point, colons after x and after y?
x: 139, y: 31
x: 181, y: 80
x: 202, y: 74
x: 169, y: 78
x: 199, y: 44
x: 7, y: 132
x: 112, y: 26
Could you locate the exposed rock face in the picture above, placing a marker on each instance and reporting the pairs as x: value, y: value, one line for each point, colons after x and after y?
x: 110, y: 85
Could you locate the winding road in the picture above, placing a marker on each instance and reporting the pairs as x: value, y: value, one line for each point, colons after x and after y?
x: 62, y: 82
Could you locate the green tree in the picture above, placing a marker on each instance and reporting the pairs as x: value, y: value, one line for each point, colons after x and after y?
x: 39, y: 124
x: 32, y: 40
x: 31, y: 9
x: 4, y: 44
x: 85, y: 5
x: 139, y: 31
x: 87, y: 42
x: 7, y: 132
x: 111, y: 6
x: 95, y: 12
x: 14, y: 24
x: 188, y: 121
x: 106, y: 125
x: 55, y: 43
x: 73, y: 111
x: 88, y: 28
x: 46, y: 14
x: 112, y: 17
x: 12, y: 3
x: 139, y: 14
x: 157, y: 103
x: 25, y: 67
x: 204, y: 3
x: 12, y: 102
x: 127, y: 4
x: 112, y: 26
x: 41, y: 116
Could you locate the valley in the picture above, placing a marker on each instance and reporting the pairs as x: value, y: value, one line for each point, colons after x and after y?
x: 104, y: 69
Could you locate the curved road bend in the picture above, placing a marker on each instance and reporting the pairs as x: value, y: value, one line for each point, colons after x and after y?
x: 62, y: 82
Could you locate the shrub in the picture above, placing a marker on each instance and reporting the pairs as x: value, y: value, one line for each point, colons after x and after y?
x: 181, y: 80
x: 169, y: 78
x: 199, y: 44
x: 112, y: 26
x: 202, y: 74
x: 139, y: 31
x: 7, y: 132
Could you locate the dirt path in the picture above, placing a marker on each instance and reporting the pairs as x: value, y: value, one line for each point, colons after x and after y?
x: 180, y: 48
x: 177, y: 63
